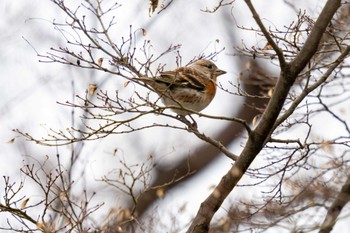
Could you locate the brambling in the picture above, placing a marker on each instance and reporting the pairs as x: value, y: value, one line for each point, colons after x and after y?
x: 190, y: 87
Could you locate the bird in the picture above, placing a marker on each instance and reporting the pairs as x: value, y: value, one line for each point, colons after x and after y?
x: 190, y: 87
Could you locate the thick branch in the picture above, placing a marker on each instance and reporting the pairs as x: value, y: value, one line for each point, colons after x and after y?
x: 258, y: 137
x: 334, y: 210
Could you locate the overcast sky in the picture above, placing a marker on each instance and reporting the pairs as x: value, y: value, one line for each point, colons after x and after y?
x: 30, y: 89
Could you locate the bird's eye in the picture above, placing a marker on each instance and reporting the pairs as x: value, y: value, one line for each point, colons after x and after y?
x: 210, y: 66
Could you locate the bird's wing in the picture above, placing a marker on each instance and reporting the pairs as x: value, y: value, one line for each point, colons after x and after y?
x: 182, y: 77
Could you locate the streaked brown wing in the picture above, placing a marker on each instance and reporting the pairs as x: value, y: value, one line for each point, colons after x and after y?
x: 182, y: 77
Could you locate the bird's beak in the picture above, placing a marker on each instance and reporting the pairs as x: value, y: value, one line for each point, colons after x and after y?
x: 219, y: 72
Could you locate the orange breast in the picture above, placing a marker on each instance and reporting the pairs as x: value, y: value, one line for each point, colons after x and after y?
x: 210, y: 89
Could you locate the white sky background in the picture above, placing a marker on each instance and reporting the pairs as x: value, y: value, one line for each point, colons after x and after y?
x: 30, y: 89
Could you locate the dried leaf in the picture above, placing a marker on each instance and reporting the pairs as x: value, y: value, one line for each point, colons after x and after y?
x: 224, y: 224
x: 99, y: 61
x: 40, y: 226
x: 92, y: 89
x: 144, y: 32
x: 270, y: 92
x: 256, y: 119
x: 267, y: 47
x: 24, y: 203
x: 126, y: 83
x: 11, y: 141
x: 123, y: 215
x: 44, y: 228
x: 160, y: 192
x: 153, y: 6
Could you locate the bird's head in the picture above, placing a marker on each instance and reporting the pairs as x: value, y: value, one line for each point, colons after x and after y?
x: 208, y: 68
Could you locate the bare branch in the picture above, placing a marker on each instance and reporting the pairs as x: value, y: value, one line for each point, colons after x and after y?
x: 258, y: 137
x: 267, y: 35
x: 335, y: 209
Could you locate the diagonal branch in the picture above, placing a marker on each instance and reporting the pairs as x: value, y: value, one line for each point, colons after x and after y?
x: 18, y: 212
x: 267, y: 34
x: 334, y: 210
x: 202, y: 156
x: 258, y: 137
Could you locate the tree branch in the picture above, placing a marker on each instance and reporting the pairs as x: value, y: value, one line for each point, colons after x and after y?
x: 20, y: 213
x: 259, y: 135
x: 313, y: 40
x: 334, y: 210
x: 206, y: 153
x: 267, y: 34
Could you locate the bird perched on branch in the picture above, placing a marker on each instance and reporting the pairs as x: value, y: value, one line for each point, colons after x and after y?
x: 189, y: 87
